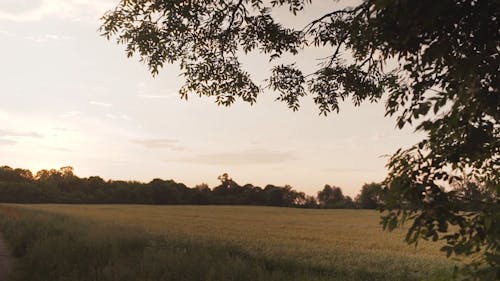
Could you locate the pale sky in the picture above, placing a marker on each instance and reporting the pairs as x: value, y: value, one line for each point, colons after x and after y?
x: 71, y: 98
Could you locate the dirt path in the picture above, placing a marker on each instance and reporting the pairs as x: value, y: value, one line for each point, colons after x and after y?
x: 5, y: 260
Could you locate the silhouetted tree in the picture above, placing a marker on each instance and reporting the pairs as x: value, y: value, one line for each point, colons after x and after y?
x: 370, y: 196
x: 332, y: 197
x: 201, y: 194
x: 280, y: 196
x: 166, y: 192
x: 8, y: 174
x: 225, y: 180
x: 309, y: 202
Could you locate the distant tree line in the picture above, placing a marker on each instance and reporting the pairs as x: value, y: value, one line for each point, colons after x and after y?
x: 63, y: 186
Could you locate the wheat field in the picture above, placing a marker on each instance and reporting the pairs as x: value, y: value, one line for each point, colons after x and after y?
x: 351, y: 240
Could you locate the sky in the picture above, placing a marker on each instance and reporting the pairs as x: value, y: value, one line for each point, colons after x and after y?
x: 69, y: 97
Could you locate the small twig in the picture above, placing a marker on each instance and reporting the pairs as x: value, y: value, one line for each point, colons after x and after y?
x: 233, y: 15
x: 310, y: 25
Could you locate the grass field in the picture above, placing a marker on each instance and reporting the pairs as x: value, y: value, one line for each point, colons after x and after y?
x: 320, y: 244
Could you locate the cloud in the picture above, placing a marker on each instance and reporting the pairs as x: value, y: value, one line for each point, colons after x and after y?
x: 376, y: 138
x: 160, y: 143
x: 120, y: 116
x: 145, y: 93
x: 4, y: 32
x: 12, y: 133
x: 47, y: 37
x: 349, y: 170
x: 147, y: 96
x: 59, y: 148
x: 125, y: 117
x: 18, y: 7
x: 7, y: 142
x: 98, y: 103
x: 69, y: 114
x: 37, y: 38
x: 246, y: 157
x: 7, y: 135
x: 141, y: 86
x: 100, y: 90
x: 36, y: 10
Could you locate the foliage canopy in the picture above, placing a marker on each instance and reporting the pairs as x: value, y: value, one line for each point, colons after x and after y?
x: 370, y: 196
x: 434, y: 63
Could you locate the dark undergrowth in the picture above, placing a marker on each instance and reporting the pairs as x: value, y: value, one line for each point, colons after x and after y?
x: 51, y: 247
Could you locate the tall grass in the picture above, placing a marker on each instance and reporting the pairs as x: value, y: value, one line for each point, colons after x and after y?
x: 59, y: 247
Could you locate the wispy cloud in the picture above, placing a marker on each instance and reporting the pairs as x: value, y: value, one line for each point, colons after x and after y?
x: 98, y: 103
x: 17, y: 7
x: 58, y: 148
x: 35, y: 10
x: 160, y: 143
x: 148, y: 96
x: 7, y: 142
x: 349, y: 170
x: 38, y: 38
x: 117, y: 116
x: 141, y: 86
x: 145, y: 93
x: 42, y: 38
x: 69, y: 114
x: 125, y: 117
x: 246, y: 157
x: 99, y: 90
x: 12, y: 137
x: 12, y: 133
x: 6, y: 33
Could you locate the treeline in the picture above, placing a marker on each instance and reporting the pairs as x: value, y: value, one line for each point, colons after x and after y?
x: 63, y: 186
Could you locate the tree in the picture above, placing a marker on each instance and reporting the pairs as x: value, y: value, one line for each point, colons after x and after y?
x: 225, y: 180
x: 166, y: 192
x: 8, y: 174
x: 370, y: 196
x: 332, y: 197
x: 472, y: 196
x: 281, y: 196
x: 434, y: 63
x: 310, y: 202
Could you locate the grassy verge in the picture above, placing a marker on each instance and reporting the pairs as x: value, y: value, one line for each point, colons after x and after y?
x: 57, y: 247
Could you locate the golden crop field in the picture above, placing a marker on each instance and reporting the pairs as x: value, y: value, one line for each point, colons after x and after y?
x: 351, y: 239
